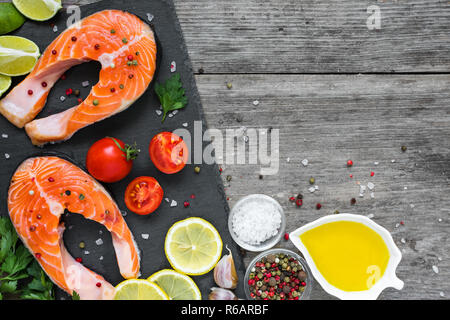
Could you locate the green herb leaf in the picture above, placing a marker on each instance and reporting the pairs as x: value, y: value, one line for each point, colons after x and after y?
x: 171, y: 95
x: 75, y: 296
x: 16, y: 263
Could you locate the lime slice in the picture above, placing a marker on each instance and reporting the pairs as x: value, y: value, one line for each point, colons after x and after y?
x: 11, y: 18
x: 18, y: 55
x: 39, y: 10
x: 139, y: 289
x: 193, y: 246
x: 177, y: 286
x: 5, y: 83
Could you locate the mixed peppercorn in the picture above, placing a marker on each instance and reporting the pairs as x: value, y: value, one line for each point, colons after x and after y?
x: 277, y: 277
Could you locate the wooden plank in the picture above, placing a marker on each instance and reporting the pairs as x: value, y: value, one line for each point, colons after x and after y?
x: 315, y: 36
x: 330, y: 119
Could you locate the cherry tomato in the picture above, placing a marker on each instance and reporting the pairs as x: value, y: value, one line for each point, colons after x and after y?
x: 110, y: 160
x: 143, y: 195
x: 168, y: 152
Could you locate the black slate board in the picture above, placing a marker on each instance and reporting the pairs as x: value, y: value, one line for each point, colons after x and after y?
x: 139, y: 123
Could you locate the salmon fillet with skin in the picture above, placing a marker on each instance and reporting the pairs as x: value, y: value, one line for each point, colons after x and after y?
x: 40, y: 190
x: 114, y: 38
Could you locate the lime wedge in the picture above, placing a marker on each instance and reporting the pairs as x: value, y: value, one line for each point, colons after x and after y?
x: 18, y: 55
x: 39, y: 10
x: 5, y: 83
x: 11, y: 18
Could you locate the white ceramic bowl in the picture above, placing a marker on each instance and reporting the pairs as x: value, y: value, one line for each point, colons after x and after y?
x: 389, y: 278
x: 269, y: 243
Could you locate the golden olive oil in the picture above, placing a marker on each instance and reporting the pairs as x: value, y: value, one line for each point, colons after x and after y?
x: 349, y: 255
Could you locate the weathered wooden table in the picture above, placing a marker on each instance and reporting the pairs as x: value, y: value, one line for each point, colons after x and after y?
x: 338, y: 84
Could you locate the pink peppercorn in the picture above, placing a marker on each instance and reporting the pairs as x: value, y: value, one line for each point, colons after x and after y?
x: 98, y: 284
x: 30, y: 92
x: 286, y: 236
x: 44, y: 84
x: 349, y: 163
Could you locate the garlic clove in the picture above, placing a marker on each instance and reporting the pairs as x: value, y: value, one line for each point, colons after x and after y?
x: 221, y: 294
x: 225, y: 273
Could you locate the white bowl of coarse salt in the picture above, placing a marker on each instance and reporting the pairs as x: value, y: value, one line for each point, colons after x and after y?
x: 257, y: 222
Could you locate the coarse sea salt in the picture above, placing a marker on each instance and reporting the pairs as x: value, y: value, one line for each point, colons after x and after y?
x: 256, y: 221
x: 435, y: 269
x: 145, y: 236
x: 4, y: 136
x: 99, y: 242
x: 7, y: 155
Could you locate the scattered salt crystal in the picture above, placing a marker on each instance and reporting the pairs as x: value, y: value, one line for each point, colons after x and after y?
x: 150, y: 17
x: 124, y: 213
x: 255, y: 103
x: 253, y: 269
x: 288, y: 159
x: 311, y: 189
x: 85, y: 83
x: 7, y: 155
x: 440, y: 258
x: 167, y: 199
x: 316, y: 188
x: 372, y: 195
x: 99, y: 242
x: 100, y: 231
x: 370, y: 185
x: 435, y: 269
x: 86, y: 252
x: 145, y: 236
x: 173, y: 66
x: 412, y: 205
x: 403, y: 240
x: 55, y: 28
x: 246, y: 221
x: 393, y: 160
x: 442, y: 294
x: 370, y: 216
x: 158, y: 112
x: 101, y: 258
x: 305, y: 162
x: 185, y: 124
x: 376, y: 163
x: 4, y: 136
x: 170, y: 115
x: 440, y: 220
x: 405, y: 188
x: 173, y: 203
x: 397, y: 225
x: 174, y: 112
x: 62, y: 98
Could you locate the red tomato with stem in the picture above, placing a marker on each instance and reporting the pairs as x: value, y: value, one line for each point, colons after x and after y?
x: 168, y: 152
x: 143, y: 195
x: 110, y: 160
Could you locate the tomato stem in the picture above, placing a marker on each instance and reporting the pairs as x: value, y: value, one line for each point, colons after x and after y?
x: 131, y: 151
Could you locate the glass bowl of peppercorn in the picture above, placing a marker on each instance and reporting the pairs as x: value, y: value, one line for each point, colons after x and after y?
x: 278, y: 274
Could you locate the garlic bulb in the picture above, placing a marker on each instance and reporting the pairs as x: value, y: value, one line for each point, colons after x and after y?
x: 225, y: 272
x: 221, y: 294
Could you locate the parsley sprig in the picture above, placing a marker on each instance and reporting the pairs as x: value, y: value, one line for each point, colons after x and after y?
x: 171, y: 95
x: 16, y: 263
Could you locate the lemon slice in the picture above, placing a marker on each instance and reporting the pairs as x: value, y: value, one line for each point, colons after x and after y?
x: 39, y: 10
x: 139, y: 289
x: 5, y: 83
x: 193, y: 246
x: 177, y: 286
x: 18, y: 55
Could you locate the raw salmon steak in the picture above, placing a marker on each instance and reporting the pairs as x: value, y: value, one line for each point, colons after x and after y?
x: 123, y: 44
x: 41, y: 189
